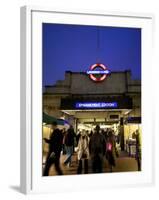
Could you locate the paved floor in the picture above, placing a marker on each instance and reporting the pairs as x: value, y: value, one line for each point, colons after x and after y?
x: 124, y: 163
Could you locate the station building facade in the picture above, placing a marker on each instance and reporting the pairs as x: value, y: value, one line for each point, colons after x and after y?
x: 115, y: 102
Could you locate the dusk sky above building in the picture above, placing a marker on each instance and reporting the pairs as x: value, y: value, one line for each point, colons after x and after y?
x: 77, y: 47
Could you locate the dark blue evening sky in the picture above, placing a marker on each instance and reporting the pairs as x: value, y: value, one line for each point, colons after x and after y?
x: 76, y: 47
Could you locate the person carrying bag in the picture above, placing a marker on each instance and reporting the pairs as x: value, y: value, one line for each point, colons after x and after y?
x: 83, y: 153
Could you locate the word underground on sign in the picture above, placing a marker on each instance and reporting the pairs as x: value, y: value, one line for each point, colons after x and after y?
x: 102, y: 73
x: 96, y: 105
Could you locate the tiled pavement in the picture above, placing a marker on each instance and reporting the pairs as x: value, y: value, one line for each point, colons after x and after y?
x: 123, y: 164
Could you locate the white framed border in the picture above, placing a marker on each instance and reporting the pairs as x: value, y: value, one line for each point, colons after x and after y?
x: 31, y: 100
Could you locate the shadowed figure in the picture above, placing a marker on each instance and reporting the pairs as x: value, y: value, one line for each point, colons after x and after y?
x: 55, y: 147
x: 97, y: 150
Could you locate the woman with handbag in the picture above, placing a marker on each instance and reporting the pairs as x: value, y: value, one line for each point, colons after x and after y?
x: 83, y: 153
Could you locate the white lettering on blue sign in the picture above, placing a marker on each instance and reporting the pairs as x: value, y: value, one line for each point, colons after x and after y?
x: 96, y: 105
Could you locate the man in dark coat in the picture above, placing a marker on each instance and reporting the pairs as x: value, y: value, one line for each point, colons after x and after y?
x: 97, y: 150
x: 55, y: 147
x: 69, y: 144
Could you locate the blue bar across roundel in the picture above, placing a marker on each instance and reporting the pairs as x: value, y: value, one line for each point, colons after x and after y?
x: 92, y: 105
x: 98, y: 71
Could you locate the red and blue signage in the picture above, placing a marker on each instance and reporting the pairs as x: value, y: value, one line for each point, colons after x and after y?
x: 98, y: 72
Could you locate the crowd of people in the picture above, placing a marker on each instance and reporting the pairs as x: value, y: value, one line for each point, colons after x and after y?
x: 94, y: 146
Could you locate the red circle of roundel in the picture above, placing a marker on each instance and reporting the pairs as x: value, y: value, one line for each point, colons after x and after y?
x: 103, y: 67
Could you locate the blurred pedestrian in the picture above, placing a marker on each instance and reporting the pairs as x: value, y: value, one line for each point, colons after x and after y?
x: 83, y: 153
x: 55, y: 147
x: 97, y: 150
x: 111, y: 150
x: 69, y: 145
x: 138, y: 150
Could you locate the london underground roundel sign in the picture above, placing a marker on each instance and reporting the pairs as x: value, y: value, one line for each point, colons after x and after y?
x: 98, y: 72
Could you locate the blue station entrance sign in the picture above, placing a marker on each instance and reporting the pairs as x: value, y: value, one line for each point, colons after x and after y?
x: 96, y: 105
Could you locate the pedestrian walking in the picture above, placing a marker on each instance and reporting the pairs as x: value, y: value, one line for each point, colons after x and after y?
x: 138, y: 150
x: 55, y: 147
x: 69, y: 145
x: 83, y: 153
x: 97, y: 150
x: 111, y: 150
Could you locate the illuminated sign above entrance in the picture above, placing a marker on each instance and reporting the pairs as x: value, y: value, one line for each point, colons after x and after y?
x: 98, y: 72
x: 117, y: 102
x: 95, y: 105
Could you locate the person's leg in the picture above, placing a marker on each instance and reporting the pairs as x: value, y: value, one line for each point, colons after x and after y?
x: 139, y: 164
x: 86, y: 166
x: 63, y: 149
x: 57, y: 165
x: 111, y: 162
x: 98, y: 164
x: 48, y: 156
x: 94, y: 165
x: 111, y: 168
x: 79, y: 169
x: 67, y: 155
x: 71, y: 153
x: 48, y: 164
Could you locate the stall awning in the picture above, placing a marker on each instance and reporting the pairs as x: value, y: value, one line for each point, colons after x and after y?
x: 49, y: 119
